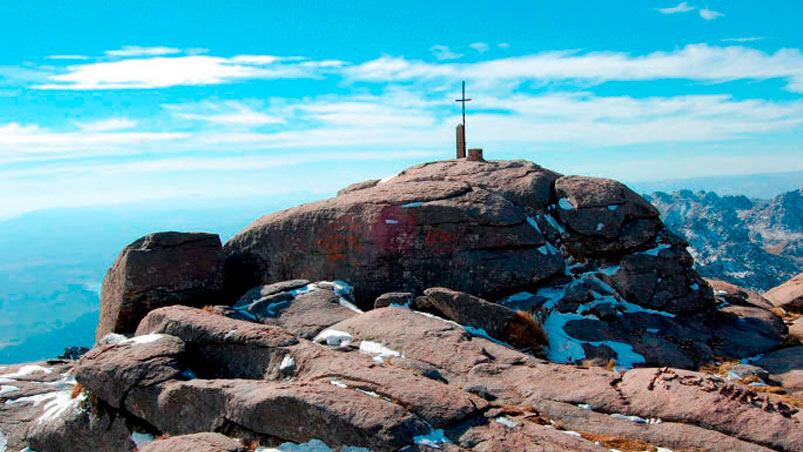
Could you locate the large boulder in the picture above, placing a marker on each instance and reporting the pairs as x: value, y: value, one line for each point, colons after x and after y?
x: 788, y: 295
x: 462, y: 225
x: 197, y: 442
x: 158, y: 270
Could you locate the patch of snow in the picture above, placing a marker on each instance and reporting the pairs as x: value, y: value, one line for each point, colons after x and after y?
x: 554, y: 223
x: 368, y: 393
x: 531, y: 221
x: 338, y: 383
x: 752, y: 359
x: 571, y: 433
x: 333, y: 338
x: 230, y: 334
x: 379, y: 351
x: 3, y: 442
x: 757, y: 383
x: 189, y: 374
x: 609, y: 271
x: 626, y: 357
x: 565, y: 204
x: 613, y: 207
x: 146, y: 339
x: 600, y: 227
x: 653, y: 330
x: 385, y: 179
x: 141, y: 439
x: 695, y: 287
x: 26, y: 371
x: 433, y: 439
x: 5, y: 389
x: 656, y: 250
x: 721, y: 293
x: 302, y: 290
x: 507, y: 422
x: 287, y: 363
x: 584, y: 406
x: 543, y: 250
x: 562, y: 347
x: 412, y: 204
x: 391, y: 221
x: 60, y: 404
x: 111, y: 339
x: 635, y: 419
x: 343, y: 290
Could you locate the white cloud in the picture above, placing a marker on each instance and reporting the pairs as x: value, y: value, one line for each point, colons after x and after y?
x: 226, y: 114
x: 695, y: 62
x: 442, y: 52
x: 480, y: 47
x: 682, y: 7
x: 709, y: 14
x: 107, y: 125
x: 134, y: 51
x: 503, y: 45
x: 163, y: 72
x: 745, y: 39
x: 67, y: 57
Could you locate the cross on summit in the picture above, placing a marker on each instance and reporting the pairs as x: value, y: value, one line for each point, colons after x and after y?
x: 473, y: 154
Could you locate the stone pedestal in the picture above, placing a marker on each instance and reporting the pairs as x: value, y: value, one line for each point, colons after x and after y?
x: 475, y: 155
x: 461, y: 141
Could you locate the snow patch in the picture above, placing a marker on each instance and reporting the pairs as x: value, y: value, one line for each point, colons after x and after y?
x: 507, y: 422
x: 636, y: 419
x: 433, y: 439
x: 695, y: 287
x: 571, y: 433
x: 333, y: 338
x: 531, y: 221
x: 111, y: 339
x: 60, y: 404
x: 554, y: 223
x: 3, y: 442
x: 368, y: 393
x: 5, y: 389
x: 584, y: 406
x: 141, y: 439
x: 412, y: 204
x: 287, y: 363
x: 391, y: 221
x: 613, y: 207
x: 338, y: 383
x: 343, y: 290
x: 656, y: 250
x: 27, y: 370
x: 600, y: 227
x: 146, y: 339
x: 565, y: 204
x: 379, y: 351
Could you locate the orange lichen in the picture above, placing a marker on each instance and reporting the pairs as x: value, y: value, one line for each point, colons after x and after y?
x: 524, y: 332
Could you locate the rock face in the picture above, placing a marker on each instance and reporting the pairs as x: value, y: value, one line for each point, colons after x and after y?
x: 159, y: 270
x: 756, y: 244
x: 788, y: 295
x: 470, y: 273
x: 462, y: 225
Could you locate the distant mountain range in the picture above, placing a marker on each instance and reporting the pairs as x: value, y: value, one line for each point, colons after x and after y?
x: 753, y: 243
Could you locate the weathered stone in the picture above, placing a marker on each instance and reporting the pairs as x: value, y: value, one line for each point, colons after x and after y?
x: 158, y: 270
x: 788, y: 295
x: 796, y: 329
x: 506, y: 432
x: 452, y: 224
x: 603, y: 216
x: 76, y: 426
x: 786, y: 366
x: 735, y: 295
x: 394, y: 298
x: 197, y: 442
x: 500, y: 322
x: 219, y: 347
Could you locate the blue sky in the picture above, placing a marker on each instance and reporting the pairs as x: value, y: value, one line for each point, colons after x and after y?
x: 115, y: 101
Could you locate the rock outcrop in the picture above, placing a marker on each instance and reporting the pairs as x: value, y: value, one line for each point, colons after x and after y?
x: 466, y: 275
x: 789, y: 295
x: 159, y: 270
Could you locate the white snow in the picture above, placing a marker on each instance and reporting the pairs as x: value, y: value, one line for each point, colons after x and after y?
x: 562, y: 347
x: 343, y: 290
x: 656, y: 250
x: 3, y: 442
x: 25, y: 371
x: 391, y: 221
x: 600, y: 227
x: 565, y: 204
x: 5, y: 389
x: 333, y: 338
x: 287, y: 363
x: 609, y: 271
x: 385, y: 179
x: 60, y: 404
x: 613, y: 207
x: 554, y: 223
x: 571, y: 433
x: 141, y: 439
x: 35, y: 400
x: 531, y: 221
x: 412, y: 204
x: 695, y: 287
x: 379, y: 351
x: 368, y: 393
x: 433, y: 439
x: 584, y: 406
x: 313, y: 445
x: 111, y: 338
x: 636, y: 419
x: 507, y: 422
x: 338, y: 383
x: 230, y: 334
x: 141, y: 340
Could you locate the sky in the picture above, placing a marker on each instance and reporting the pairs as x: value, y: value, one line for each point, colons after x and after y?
x: 110, y: 102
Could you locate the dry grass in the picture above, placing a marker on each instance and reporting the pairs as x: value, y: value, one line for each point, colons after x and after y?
x: 209, y: 309
x: 619, y: 442
x: 76, y: 390
x: 720, y: 366
x: 524, y: 332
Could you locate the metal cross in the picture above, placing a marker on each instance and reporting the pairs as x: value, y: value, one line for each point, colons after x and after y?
x: 463, y: 100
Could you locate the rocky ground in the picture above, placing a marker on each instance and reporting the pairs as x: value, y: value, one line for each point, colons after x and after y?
x: 756, y: 244
x: 489, y: 306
